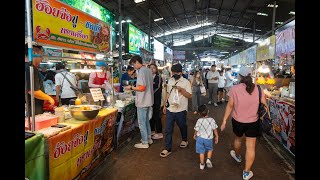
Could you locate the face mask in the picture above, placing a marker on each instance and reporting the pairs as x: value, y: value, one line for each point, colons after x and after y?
x: 176, y: 76
x: 98, y: 67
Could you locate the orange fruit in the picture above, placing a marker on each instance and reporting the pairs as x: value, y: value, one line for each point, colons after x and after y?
x: 77, y: 102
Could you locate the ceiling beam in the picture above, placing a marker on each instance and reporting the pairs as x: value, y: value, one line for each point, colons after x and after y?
x: 234, y: 5
x: 243, y: 12
x: 208, y: 6
x: 173, y: 15
x: 205, y: 48
x: 156, y: 10
x: 219, y: 11
x: 253, y: 16
x: 184, y: 12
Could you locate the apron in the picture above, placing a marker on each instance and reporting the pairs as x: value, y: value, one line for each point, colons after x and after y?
x: 100, y: 81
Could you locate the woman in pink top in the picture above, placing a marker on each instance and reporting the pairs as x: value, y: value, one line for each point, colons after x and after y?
x: 243, y: 103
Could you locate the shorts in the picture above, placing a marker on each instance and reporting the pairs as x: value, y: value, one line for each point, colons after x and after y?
x: 249, y: 129
x: 203, y: 145
x: 220, y: 89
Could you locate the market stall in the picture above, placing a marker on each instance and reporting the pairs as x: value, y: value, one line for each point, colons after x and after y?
x: 69, y: 143
x: 282, y: 112
x: 275, y: 73
x: 70, y: 149
x: 126, y: 121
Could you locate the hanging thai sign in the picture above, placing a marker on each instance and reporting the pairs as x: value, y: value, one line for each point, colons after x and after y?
x: 242, y: 59
x: 179, y: 55
x: 53, y: 52
x: 251, y: 54
x: 285, y: 42
x: 266, y: 49
x: 58, y: 24
x: 137, y: 39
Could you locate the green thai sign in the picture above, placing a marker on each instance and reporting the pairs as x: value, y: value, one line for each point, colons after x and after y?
x: 137, y: 39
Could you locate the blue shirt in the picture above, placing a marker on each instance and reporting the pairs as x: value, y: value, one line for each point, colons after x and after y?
x: 124, y: 76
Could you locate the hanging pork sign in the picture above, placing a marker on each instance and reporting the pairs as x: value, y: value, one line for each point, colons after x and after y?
x: 58, y: 24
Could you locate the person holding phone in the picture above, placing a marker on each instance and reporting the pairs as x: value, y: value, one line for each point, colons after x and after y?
x: 176, y: 113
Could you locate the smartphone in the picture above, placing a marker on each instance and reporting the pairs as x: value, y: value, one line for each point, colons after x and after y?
x: 28, y: 135
x: 59, y: 125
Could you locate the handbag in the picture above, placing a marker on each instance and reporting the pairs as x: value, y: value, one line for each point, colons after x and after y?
x: 76, y: 90
x: 264, y: 116
x: 203, y: 90
x: 167, y: 102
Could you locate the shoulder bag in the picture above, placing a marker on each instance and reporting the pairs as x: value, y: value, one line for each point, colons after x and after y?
x: 76, y: 90
x: 264, y: 116
x: 167, y: 103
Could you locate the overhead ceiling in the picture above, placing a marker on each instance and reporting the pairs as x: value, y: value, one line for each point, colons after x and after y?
x: 227, y: 18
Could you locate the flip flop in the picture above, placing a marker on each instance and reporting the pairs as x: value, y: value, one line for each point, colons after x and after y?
x: 157, y: 136
x: 165, y: 153
x: 184, y: 144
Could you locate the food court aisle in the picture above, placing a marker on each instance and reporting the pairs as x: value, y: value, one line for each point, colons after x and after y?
x: 130, y: 163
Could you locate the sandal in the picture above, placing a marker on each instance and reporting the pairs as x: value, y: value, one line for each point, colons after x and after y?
x: 165, y: 153
x: 184, y: 144
x: 157, y: 136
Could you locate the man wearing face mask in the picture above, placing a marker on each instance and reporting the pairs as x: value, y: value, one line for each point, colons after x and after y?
x: 213, y: 77
x: 176, y: 112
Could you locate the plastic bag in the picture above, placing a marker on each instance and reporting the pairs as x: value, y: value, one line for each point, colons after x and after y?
x: 175, y: 98
x: 203, y: 90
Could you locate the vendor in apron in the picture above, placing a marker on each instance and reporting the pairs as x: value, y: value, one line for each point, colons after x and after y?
x: 97, y: 79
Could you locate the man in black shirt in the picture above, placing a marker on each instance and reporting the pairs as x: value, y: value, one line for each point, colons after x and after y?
x: 39, y: 95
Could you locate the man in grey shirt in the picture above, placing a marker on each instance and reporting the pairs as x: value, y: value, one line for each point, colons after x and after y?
x: 143, y: 101
x: 213, y: 77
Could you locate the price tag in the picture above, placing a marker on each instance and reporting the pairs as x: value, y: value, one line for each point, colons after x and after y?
x: 97, y: 94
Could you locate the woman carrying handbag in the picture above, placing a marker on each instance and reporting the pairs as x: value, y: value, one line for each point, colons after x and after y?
x: 196, y: 85
x: 243, y: 103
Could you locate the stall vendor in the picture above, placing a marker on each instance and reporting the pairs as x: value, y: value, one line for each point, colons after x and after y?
x: 127, y: 76
x: 39, y: 95
x: 97, y: 79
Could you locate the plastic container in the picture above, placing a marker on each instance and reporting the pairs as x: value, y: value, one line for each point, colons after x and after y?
x: 42, y: 121
x: 60, y: 114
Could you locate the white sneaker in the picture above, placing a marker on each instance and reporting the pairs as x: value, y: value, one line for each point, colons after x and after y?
x: 247, y: 175
x: 201, y: 166
x: 215, y: 104
x: 150, y: 141
x: 209, y: 102
x: 141, y: 146
x: 209, y: 163
x: 233, y: 154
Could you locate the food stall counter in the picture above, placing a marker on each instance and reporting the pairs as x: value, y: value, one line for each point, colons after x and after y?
x: 282, y: 112
x: 35, y: 159
x: 73, y: 152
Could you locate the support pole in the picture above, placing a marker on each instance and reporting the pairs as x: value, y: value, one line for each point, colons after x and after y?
x: 254, y: 31
x: 29, y: 40
x: 274, y: 17
x: 149, y: 33
x: 120, y: 40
